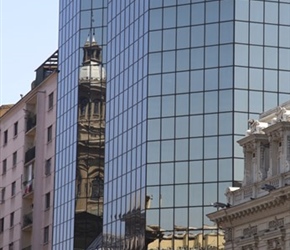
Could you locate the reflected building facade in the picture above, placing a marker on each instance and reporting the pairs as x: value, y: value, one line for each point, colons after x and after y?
x: 79, y: 166
x: 183, y: 79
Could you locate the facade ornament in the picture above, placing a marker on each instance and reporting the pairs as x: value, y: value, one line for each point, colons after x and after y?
x: 256, y: 127
x: 275, y: 243
x: 276, y: 223
x: 264, y: 163
x: 228, y: 234
x: 250, y: 230
x: 282, y: 114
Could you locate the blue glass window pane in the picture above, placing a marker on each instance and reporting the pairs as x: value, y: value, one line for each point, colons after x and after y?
x: 182, y: 59
x: 271, y: 12
x: 225, y: 127
x: 284, y: 59
x: 210, y: 170
x: 211, y: 79
x: 197, y: 36
x: 169, y: 17
x: 197, y: 13
x: 284, y: 16
x: 197, y: 56
x: 211, y: 34
x: 226, y: 32
x: 256, y: 11
x: 226, y: 77
x: 196, y: 80
x: 155, y: 41
x: 155, y: 19
x: 271, y: 57
x: 226, y: 10
x: 183, y: 15
x: 169, y: 37
x: 212, y: 11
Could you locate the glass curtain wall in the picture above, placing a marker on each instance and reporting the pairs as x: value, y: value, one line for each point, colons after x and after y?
x: 79, y: 166
x: 126, y: 112
x: 183, y: 79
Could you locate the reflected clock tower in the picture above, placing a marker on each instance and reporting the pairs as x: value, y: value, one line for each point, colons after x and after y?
x: 91, y: 142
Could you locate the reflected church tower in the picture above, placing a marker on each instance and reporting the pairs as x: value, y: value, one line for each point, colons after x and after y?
x: 91, y: 142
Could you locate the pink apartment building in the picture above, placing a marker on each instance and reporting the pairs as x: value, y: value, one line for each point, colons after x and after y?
x: 27, y: 148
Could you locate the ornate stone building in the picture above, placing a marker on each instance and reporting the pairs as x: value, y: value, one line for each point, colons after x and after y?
x: 258, y: 216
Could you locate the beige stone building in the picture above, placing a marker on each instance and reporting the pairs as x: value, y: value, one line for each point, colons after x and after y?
x: 27, y: 149
x: 259, y: 217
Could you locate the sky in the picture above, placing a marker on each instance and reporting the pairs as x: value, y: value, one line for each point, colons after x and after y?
x: 28, y: 36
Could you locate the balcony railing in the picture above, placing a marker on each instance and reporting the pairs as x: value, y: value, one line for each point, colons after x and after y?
x: 27, y: 187
x: 27, y: 220
x: 29, y: 154
x: 31, y: 122
x: 255, y: 190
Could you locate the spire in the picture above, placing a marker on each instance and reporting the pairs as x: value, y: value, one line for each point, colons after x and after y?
x: 92, y: 51
x: 93, y: 39
x: 88, y: 42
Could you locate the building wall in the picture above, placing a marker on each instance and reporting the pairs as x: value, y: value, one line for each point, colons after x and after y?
x: 28, y: 204
x: 4, y: 109
x: 79, y: 137
x: 183, y: 79
x: 12, y: 203
x: 258, y: 213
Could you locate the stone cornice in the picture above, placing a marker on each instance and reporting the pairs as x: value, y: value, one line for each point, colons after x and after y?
x: 253, y: 138
x: 277, y: 126
x: 274, y: 203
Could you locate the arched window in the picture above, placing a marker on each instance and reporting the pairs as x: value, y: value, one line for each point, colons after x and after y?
x: 97, y: 188
x: 83, y: 105
x: 97, y: 107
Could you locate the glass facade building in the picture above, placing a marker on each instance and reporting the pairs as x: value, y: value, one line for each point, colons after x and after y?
x: 183, y: 77
x: 79, y: 164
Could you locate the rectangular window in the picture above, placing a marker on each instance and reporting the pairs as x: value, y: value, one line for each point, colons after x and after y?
x: 15, y: 128
x: 4, y: 166
x: 5, y: 137
x: 45, y: 235
x: 49, y: 133
x: 13, y: 188
x: 47, y: 201
x: 48, y: 167
x: 1, y: 225
x: 2, y: 198
x: 11, y: 219
x: 14, y: 159
x: 50, y: 101
x: 11, y: 247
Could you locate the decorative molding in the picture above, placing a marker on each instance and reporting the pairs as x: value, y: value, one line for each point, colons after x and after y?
x: 250, y: 230
x: 276, y: 223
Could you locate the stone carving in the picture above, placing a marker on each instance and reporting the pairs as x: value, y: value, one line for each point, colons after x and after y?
x: 275, y: 243
x: 248, y: 247
x: 282, y: 114
x: 264, y: 163
x: 256, y: 127
x: 228, y: 234
x: 276, y: 223
x: 250, y: 230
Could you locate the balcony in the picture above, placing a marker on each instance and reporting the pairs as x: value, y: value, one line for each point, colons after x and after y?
x: 27, y: 222
x: 28, y: 188
x: 29, y: 154
x: 255, y: 190
x: 30, y: 122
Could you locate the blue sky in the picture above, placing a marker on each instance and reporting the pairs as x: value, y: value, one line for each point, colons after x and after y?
x: 28, y: 36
